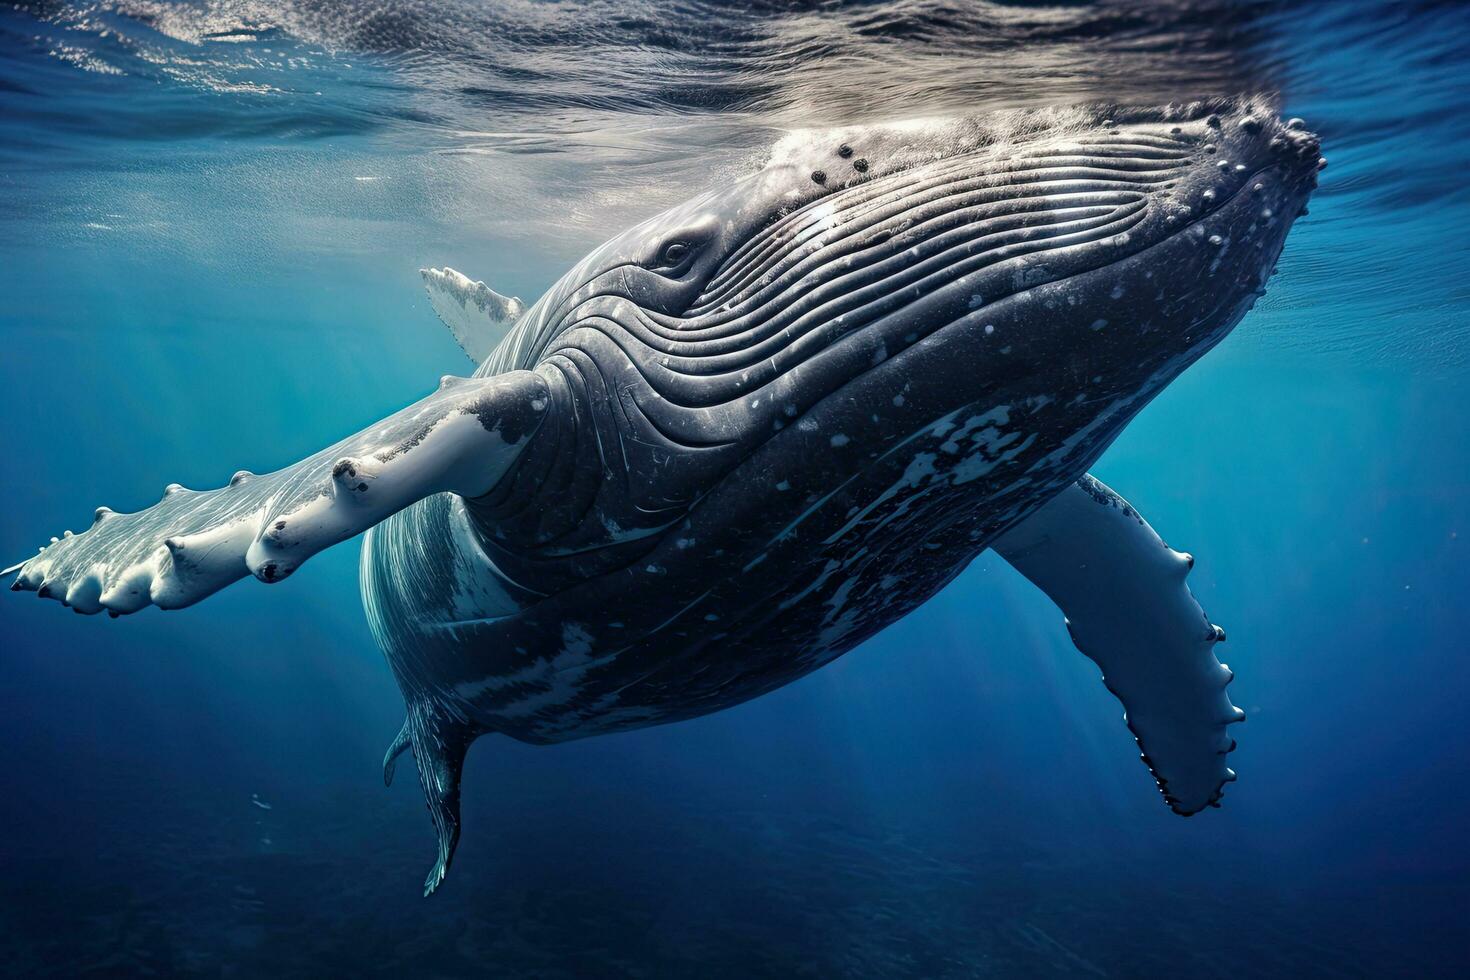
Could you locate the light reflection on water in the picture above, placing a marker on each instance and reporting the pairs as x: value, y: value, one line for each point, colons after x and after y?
x: 549, y: 124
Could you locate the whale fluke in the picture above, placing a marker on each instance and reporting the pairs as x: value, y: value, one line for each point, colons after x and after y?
x: 439, y: 743
x: 192, y: 543
x: 477, y: 315
x: 1122, y: 591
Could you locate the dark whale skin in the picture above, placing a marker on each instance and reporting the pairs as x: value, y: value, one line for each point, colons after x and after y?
x: 786, y: 538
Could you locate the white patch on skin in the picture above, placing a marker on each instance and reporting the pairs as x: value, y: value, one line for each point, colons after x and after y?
x: 990, y: 449
x: 601, y: 715
x: 999, y: 415
x: 560, y: 678
x: 575, y: 641
x: 920, y: 469
x: 975, y: 466
x: 838, y: 599
x: 575, y: 653
x: 816, y: 584
x: 834, y: 634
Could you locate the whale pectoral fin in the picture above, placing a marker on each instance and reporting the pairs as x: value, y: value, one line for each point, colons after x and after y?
x: 477, y: 315
x: 439, y: 747
x: 1123, y: 593
x: 462, y: 438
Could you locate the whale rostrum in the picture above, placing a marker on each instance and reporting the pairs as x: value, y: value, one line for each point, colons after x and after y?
x: 747, y: 434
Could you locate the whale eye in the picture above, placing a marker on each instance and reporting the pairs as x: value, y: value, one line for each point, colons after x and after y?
x: 673, y: 254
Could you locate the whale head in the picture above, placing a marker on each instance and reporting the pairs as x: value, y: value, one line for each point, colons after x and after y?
x: 1115, y: 244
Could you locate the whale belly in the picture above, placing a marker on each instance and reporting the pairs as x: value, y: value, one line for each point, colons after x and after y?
x: 835, y: 528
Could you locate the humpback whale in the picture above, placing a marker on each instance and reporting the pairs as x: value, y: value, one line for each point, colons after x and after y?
x: 749, y: 433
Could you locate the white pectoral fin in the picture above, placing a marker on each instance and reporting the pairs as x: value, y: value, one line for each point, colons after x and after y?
x: 460, y: 439
x: 1123, y: 592
x: 477, y: 315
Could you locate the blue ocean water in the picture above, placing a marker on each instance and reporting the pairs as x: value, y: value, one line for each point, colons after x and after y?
x: 212, y: 215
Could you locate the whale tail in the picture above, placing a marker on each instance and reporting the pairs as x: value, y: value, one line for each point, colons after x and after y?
x: 439, y: 742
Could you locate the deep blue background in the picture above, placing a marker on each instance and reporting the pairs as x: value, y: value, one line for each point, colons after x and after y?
x: 194, y: 278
